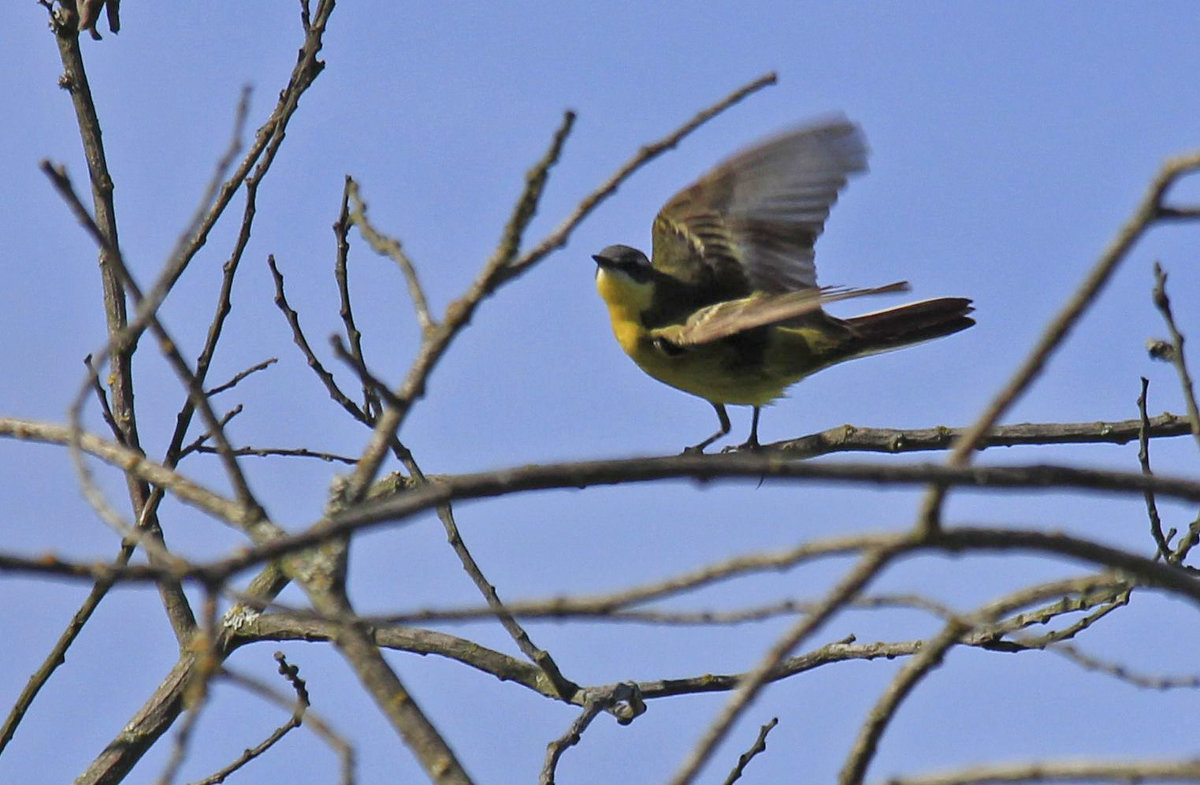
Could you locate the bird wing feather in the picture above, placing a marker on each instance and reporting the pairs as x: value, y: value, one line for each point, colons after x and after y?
x: 734, y: 316
x: 750, y: 223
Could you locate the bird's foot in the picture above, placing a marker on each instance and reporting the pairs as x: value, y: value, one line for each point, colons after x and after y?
x: 750, y: 445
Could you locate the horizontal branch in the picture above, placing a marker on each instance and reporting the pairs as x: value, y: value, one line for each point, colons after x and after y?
x: 409, y: 501
x: 1063, y: 771
x: 292, y: 627
x: 853, y: 438
x: 715, y: 467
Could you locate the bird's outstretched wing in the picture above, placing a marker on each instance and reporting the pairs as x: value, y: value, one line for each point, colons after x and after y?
x: 750, y: 223
x: 734, y: 316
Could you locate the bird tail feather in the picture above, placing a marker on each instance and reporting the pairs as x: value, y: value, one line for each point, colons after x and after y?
x: 904, y: 325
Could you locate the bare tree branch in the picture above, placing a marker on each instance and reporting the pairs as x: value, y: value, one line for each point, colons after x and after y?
x: 760, y: 745
x: 1063, y: 771
x: 852, y: 583
x: 391, y: 248
x: 1147, y: 213
x: 1163, y: 303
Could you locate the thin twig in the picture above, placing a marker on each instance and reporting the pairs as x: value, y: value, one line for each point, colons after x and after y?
x: 592, y: 708
x: 170, y: 351
x: 57, y: 654
x: 1163, y: 303
x: 760, y: 745
x: 379, y: 390
x: 298, y: 338
x: 384, y: 245
x: 102, y: 398
x: 341, y: 230
x: 1070, y: 631
x: 197, y: 444
x: 237, y: 377
x: 292, y: 674
x: 565, y: 688
x: 1123, y: 673
x: 1092, y: 590
x: 1186, y: 542
x: 285, y: 452
x: 956, y: 630
x: 312, y: 720
x: 1164, y: 549
x: 435, y: 342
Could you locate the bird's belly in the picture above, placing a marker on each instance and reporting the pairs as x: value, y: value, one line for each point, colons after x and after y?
x: 716, y: 372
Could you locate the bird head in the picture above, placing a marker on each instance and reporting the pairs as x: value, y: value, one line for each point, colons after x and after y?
x: 624, y: 277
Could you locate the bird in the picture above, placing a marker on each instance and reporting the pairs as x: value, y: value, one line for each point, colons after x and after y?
x: 727, y: 307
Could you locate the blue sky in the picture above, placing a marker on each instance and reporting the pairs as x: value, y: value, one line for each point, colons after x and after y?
x: 1009, y: 142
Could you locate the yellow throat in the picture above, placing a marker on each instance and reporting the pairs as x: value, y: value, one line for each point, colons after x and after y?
x: 626, y: 300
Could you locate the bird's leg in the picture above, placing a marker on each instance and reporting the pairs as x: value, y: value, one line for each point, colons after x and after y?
x: 723, y: 416
x: 751, y: 443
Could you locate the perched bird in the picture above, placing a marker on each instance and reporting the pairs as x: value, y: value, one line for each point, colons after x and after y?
x: 728, y: 306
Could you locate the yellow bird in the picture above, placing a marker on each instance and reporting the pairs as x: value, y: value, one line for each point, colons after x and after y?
x: 728, y: 306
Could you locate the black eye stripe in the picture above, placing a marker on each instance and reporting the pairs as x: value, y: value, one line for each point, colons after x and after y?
x: 634, y: 269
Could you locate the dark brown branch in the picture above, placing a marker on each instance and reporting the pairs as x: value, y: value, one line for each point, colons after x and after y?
x: 240, y: 375
x: 759, y: 746
x: 102, y: 399
x: 301, y: 341
x: 592, y: 707
x: 1156, y: 532
x: 312, y: 720
x: 292, y: 674
x: 390, y: 247
x: 341, y: 231
x: 197, y: 444
x: 163, y: 707
x: 285, y: 452
x: 57, y: 654
x: 703, y: 468
x: 1163, y: 303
